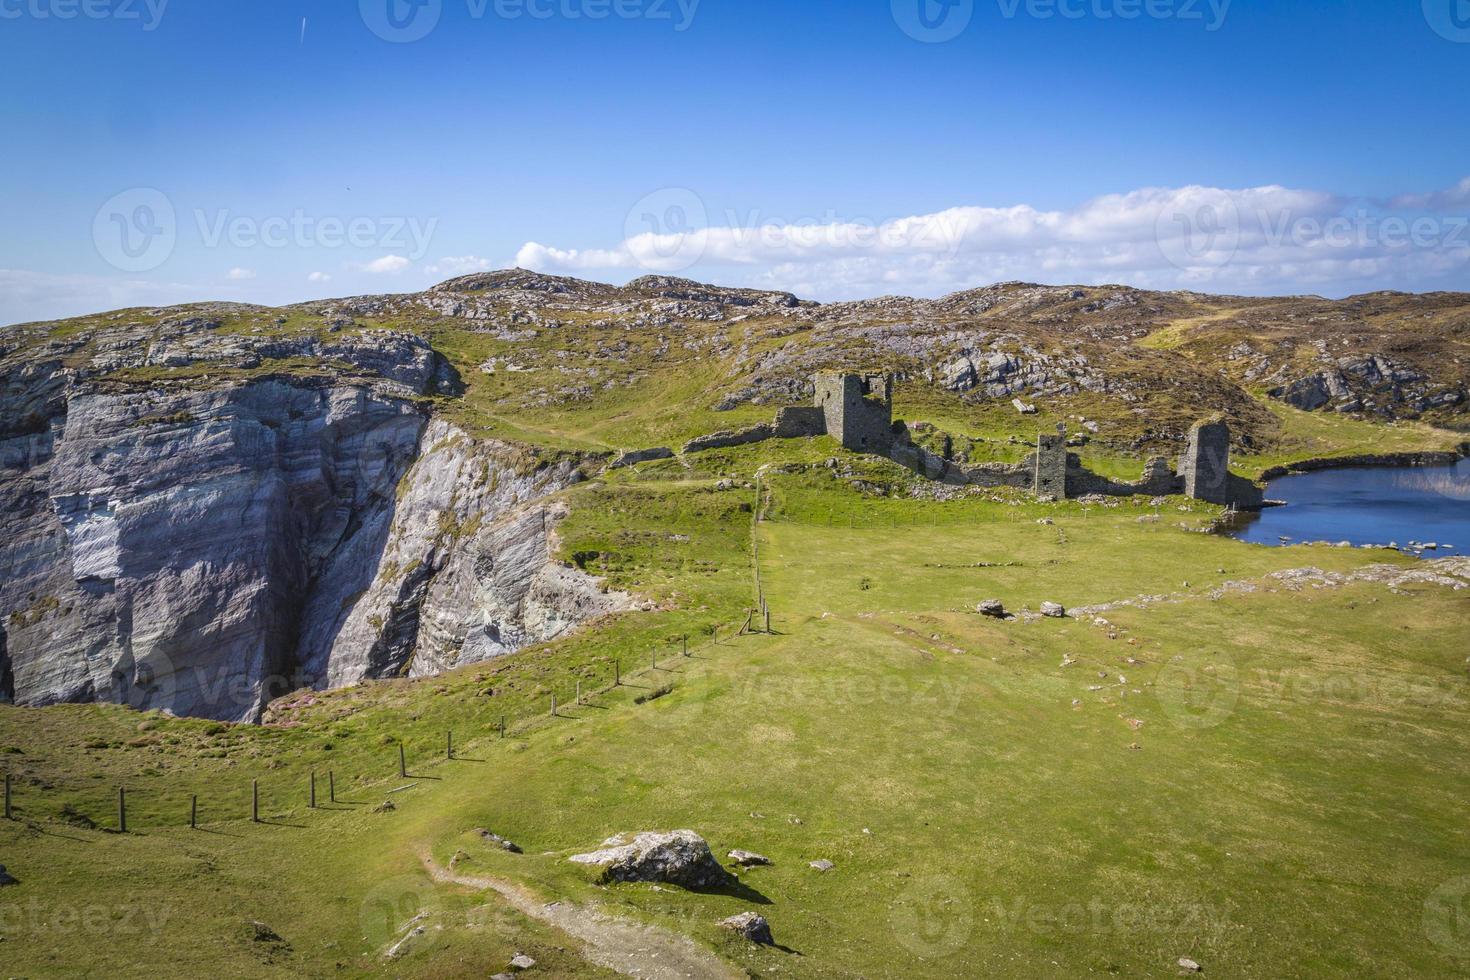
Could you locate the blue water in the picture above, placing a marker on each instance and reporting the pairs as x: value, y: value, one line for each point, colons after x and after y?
x: 1374, y: 506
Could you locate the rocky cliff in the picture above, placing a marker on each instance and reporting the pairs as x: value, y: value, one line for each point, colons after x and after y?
x: 207, y: 543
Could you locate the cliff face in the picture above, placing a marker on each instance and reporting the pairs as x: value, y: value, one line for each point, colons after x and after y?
x: 205, y: 548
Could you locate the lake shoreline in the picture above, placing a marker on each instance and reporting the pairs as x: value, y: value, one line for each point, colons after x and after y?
x: 1364, y: 460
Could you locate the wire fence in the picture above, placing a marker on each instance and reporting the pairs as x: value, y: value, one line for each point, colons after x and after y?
x: 322, y: 784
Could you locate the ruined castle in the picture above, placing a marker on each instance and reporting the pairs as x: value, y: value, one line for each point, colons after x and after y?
x: 857, y: 411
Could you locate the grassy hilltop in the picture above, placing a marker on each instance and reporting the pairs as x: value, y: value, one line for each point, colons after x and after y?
x: 1234, y: 760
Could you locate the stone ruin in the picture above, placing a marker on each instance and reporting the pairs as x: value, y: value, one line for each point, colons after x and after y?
x: 857, y: 411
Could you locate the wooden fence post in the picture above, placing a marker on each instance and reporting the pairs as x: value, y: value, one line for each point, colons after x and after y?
x: 502, y: 726
x: 449, y: 745
x: 122, y: 810
x: 312, y: 804
x: 331, y: 786
x: 194, y: 812
x: 402, y: 763
x: 255, y: 801
x: 617, y: 673
x: 685, y: 640
x: 553, y: 706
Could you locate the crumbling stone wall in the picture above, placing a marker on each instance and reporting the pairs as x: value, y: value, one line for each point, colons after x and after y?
x: 1051, y: 465
x: 1158, y: 480
x: 1205, y: 469
x: 800, y: 423
x: 1205, y: 465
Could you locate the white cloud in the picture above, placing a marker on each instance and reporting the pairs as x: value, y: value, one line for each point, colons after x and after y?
x: 1255, y: 240
x: 389, y: 265
x: 1457, y: 197
x: 460, y: 265
x: 318, y: 277
x: 240, y: 275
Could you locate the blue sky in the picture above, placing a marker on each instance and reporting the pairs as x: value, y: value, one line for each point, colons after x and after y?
x: 1244, y: 147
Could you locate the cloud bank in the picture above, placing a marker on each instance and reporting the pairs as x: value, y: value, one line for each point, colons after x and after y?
x: 1251, y: 240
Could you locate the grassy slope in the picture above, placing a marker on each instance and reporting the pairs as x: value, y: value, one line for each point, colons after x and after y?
x: 1293, y: 801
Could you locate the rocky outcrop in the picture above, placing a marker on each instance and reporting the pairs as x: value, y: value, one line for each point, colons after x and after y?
x: 167, y: 539
x: 466, y: 572
x: 1372, y: 383
x: 205, y: 548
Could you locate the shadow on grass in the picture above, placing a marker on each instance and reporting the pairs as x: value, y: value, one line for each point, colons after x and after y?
x: 734, y: 887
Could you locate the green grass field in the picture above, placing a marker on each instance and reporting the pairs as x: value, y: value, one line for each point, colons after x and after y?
x: 1271, y: 783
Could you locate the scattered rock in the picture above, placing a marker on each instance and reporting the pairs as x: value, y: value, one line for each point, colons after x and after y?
x: 6, y: 878
x: 1185, y: 963
x: 679, y: 857
x: 748, y: 859
x: 263, y: 933
x: 752, y: 926
x: 992, y: 607
x: 823, y: 865
x: 397, y: 948
x: 1053, y: 609
x: 497, y: 839
x: 521, y: 962
x: 386, y: 807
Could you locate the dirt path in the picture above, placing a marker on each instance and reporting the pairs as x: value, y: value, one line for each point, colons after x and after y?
x: 631, y: 948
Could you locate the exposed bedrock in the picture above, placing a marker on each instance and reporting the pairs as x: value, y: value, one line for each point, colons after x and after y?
x: 207, y: 551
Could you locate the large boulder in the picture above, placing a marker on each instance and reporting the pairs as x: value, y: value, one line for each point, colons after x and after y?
x: 678, y: 857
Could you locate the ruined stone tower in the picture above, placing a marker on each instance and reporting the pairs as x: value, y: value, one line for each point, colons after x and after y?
x: 1051, y: 464
x: 1206, y: 463
x: 858, y: 409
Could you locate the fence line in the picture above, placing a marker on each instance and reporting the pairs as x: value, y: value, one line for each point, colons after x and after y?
x: 533, y: 720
